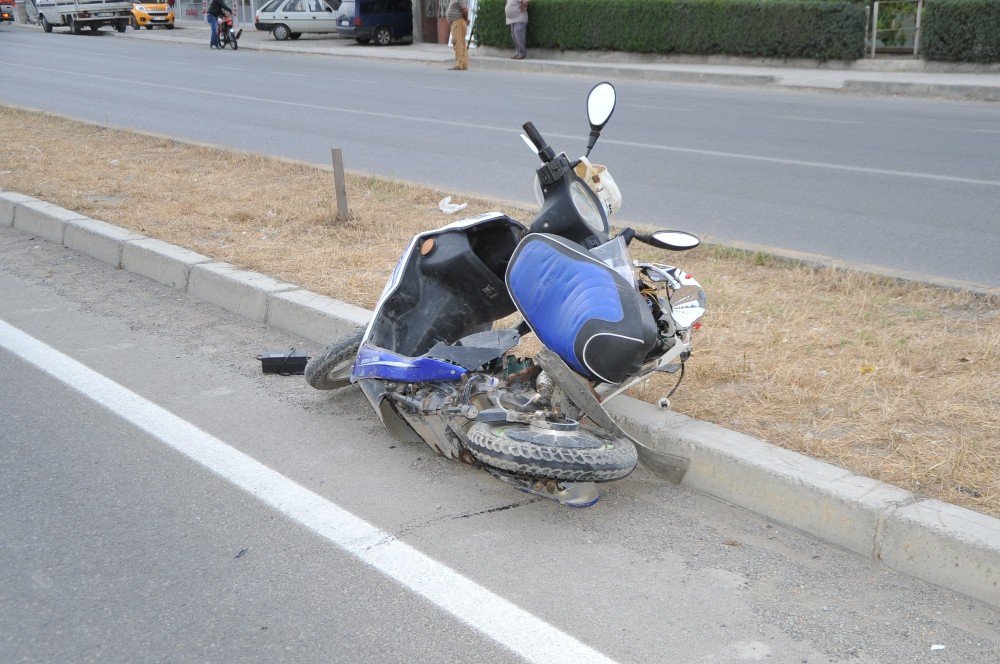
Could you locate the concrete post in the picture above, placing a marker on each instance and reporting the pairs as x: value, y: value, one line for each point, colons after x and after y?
x: 343, y: 212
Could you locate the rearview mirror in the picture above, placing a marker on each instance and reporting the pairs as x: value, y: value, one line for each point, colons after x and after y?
x: 600, y: 105
x: 673, y: 240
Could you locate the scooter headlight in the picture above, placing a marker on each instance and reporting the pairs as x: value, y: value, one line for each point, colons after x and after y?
x: 586, y: 207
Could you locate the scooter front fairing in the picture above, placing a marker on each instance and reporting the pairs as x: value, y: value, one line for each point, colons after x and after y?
x: 448, y: 284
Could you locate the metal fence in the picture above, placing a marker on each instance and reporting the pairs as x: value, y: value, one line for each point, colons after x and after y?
x: 895, y: 27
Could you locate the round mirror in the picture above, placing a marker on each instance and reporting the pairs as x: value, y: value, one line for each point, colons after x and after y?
x: 676, y: 240
x: 600, y: 105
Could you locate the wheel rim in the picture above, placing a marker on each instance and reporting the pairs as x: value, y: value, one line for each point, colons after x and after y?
x: 341, y: 370
x: 574, y: 439
x: 383, y: 37
x: 281, y: 33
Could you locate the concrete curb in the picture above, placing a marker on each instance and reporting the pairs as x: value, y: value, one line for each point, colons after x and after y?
x: 99, y: 239
x: 933, y: 541
x: 890, y: 88
x: 160, y: 261
x: 316, y: 317
x: 625, y: 72
x: 240, y: 291
x: 43, y: 219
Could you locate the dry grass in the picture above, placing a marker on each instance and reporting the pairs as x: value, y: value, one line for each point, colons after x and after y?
x: 894, y: 380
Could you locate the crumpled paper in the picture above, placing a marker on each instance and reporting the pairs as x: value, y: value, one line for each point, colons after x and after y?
x: 446, y: 206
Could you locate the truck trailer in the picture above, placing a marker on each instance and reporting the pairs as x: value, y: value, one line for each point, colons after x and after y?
x: 80, y: 14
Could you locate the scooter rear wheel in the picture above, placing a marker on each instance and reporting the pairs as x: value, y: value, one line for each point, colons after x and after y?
x: 574, y: 455
x: 332, y: 369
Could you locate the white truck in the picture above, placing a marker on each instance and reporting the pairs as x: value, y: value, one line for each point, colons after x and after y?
x: 80, y: 14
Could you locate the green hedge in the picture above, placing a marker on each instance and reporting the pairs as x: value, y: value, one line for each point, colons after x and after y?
x: 961, y: 30
x: 758, y: 28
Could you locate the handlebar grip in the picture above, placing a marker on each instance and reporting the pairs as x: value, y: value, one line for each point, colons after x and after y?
x: 544, y: 151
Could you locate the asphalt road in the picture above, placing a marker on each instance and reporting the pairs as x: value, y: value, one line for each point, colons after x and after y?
x: 117, y: 547
x: 904, y: 184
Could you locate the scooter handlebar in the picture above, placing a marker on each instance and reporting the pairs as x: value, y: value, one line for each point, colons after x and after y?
x: 545, y: 153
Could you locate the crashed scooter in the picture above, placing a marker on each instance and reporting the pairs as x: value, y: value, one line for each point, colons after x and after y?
x: 436, y: 371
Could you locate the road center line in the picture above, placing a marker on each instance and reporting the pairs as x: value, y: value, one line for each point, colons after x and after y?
x: 468, y: 125
x: 975, y: 131
x: 804, y: 118
x: 490, y: 614
x: 659, y: 107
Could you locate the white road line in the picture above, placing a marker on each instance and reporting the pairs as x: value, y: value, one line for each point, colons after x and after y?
x: 469, y: 125
x: 808, y: 119
x: 659, y: 107
x: 494, y: 616
x: 106, y: 54
x: 809, y: 164
x: 977, y: 131
x: 288, y: 73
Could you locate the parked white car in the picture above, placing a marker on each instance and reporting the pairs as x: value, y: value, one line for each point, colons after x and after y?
x: 289, y: 19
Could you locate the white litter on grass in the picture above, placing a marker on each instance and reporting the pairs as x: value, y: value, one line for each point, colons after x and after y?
x: 446, y: 206
x: 937, y: 646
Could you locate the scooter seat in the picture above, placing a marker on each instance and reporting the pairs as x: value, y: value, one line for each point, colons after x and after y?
x: 580, y: 308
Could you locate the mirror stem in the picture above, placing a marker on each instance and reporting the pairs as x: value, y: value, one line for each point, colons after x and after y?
x: 594, y: 133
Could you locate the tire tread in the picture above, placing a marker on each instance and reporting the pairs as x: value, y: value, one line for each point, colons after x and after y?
x: 599, y: 464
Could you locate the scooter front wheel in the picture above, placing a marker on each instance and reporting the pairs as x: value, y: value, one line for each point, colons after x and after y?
x: 332, y: 369
x: 575, y: 455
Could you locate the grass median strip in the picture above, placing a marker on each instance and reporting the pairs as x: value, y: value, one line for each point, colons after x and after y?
x: 895, y: 380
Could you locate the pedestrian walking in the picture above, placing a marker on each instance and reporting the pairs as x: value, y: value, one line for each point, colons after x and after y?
x: 457, y: 15
x: 517, y: 18
x: 215, y: 10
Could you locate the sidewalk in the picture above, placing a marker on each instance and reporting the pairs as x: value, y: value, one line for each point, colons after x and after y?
x: 906, y: 77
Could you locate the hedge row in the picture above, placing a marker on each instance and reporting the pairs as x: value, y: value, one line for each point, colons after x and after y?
x: 961, y: 30
x: 755, y: 28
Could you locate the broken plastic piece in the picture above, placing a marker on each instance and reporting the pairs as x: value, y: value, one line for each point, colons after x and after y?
x: 446, y: 206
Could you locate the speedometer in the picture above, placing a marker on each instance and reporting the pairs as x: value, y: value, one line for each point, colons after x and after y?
x: 586, y: 207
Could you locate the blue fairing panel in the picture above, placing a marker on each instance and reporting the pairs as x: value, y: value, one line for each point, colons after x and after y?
x: 558, y: 294
x: 375, y: 362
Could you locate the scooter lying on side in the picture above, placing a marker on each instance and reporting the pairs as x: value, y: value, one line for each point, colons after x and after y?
x: 435, y: 370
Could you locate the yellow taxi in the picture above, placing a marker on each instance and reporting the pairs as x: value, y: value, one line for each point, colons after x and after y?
x: 152, y: 14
